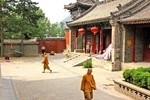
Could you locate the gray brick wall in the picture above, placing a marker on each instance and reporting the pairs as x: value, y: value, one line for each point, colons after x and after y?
x: 139, y: 45
x: 128, y: 48
x: 29, y: 49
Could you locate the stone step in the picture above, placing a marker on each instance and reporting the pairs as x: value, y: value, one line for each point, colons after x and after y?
x: 77, y: 60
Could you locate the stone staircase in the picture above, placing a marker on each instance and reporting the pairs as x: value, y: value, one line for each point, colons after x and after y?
x: 77, y: 60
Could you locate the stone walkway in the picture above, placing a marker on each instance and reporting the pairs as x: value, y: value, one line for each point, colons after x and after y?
x: 62, y: 84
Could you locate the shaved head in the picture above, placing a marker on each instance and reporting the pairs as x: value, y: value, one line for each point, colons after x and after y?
x: 89, y: 71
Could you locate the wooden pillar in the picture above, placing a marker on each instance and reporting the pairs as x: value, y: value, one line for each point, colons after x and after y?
x: 85, y: 42
x: 98, y: 42
x: 93, y: 43
x: 133, y: 45
x: 67, y: 37
x: 102, y: 41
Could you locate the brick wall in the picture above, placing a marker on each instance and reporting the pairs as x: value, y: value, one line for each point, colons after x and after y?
x: 52, y: 44
x: 128, y: 47
x: 138, y: 44
x: 28, y: 50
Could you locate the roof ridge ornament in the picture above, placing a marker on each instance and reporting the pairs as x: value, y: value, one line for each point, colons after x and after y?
x: 119, y: 7
x: 112, y: 15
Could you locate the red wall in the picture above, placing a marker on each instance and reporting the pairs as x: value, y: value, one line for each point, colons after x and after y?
x: 57, y: 45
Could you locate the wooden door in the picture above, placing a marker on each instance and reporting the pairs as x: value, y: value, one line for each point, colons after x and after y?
x: 147, y: 45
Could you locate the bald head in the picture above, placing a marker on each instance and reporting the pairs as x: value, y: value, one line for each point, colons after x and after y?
x: 89, y: 71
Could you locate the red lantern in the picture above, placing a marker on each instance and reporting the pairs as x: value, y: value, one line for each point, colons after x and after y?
x: 81, y: 31
x: 94, y: 29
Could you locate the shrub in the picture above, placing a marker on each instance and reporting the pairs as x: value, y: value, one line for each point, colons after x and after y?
x: 127, y: 75
x: 87, y: 64
x: 139, y: 77
x: 144, y: 80
x: 148, y: 82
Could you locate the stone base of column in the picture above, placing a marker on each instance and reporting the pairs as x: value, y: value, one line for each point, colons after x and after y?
x: 116, y: 66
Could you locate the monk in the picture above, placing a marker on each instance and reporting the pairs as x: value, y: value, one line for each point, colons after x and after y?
x: 45, y: 62
x: 88, y: 84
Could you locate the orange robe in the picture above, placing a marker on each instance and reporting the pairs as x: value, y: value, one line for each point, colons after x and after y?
x: 45, y: 62
x: 88, y: 83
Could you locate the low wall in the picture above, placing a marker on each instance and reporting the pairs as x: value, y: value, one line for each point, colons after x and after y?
x: 57, y: 44
x: 30, y: 47
x: 131, y: 90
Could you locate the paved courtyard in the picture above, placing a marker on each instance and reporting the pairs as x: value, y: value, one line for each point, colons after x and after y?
x: 24, y: 75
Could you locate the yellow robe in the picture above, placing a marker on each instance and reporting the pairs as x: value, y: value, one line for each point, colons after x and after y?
x: 45, y: 62
x: 88, y: 83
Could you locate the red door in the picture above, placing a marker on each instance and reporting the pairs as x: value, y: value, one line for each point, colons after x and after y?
x: 147, y: 46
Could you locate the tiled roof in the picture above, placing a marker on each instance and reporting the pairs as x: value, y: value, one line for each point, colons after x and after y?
x: 100, y: 13
x: 16, y: 41
x: 142, y: 16
x: 87, y: 1
x: 79, y: 2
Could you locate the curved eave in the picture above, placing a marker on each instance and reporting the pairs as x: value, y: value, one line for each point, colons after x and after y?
x: 85, y: 4
x: 89, y: 22
x: 71, y: 6
x: 136, y: 21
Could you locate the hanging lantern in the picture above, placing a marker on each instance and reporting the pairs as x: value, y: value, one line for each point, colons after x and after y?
x: 94, y: 29
x: 81, y: 31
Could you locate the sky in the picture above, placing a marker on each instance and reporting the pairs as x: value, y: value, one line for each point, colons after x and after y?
x: 54, y: 9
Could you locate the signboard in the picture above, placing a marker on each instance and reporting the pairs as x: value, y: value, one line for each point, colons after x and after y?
x: 129, y: 42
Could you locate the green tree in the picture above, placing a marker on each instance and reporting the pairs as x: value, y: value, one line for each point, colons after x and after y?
x: 62, y: 31
x: 6, y: 9
x: 43, y: 26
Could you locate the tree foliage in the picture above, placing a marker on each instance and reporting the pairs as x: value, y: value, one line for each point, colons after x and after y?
x: 23, y: 17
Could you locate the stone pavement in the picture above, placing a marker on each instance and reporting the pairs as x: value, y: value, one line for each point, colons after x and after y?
x: 25, y: 75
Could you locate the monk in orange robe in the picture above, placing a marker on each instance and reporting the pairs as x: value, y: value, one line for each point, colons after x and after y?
x: 88, y: 84
x: 45, y: 62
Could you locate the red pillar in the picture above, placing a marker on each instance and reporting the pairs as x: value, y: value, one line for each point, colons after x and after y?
x: 98, y: 42
x: 102, y: 40
x: 93, y: 43
x: 85, y: 42
x: 133, y: 45
x: 67, y: 38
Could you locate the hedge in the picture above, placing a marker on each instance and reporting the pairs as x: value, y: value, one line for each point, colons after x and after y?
x: 139, y: 77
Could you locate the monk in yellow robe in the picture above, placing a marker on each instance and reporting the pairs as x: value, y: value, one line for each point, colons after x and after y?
x: 88, y: 84
x: 45, y: 62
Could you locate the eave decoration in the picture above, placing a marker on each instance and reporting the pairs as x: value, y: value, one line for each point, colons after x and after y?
x: 81, y: 31
x: 94, y: 29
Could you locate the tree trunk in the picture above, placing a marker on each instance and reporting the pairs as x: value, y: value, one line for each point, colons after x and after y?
x: 1, y: 33
x: 21, y: 48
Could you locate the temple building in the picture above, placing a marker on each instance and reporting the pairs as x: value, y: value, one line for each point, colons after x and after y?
x: 76, y: 9
x: 122, y: 25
